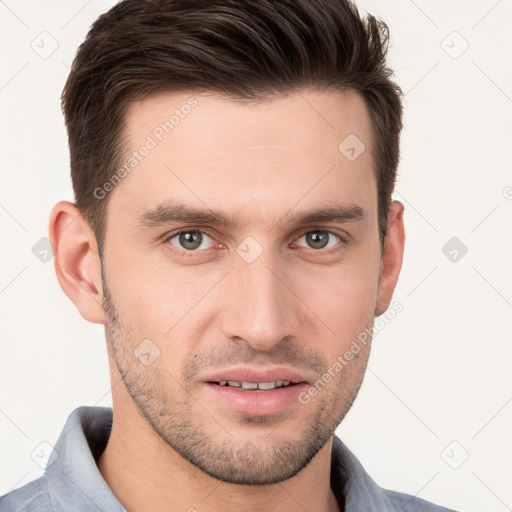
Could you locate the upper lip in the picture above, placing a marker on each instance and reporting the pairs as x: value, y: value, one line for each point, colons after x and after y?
x: 256, y: 375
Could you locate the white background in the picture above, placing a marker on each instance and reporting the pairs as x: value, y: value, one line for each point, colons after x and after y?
x: 439, y: 372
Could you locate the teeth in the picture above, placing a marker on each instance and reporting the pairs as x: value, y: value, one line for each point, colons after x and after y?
x: 253, y: 385
x: 266, y: 385
x: 249, y: 385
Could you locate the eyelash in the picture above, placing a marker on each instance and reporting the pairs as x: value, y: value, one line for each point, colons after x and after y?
x: 193, y: 253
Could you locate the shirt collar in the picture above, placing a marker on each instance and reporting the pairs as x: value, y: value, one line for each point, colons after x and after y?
x: 74, y: 480
x: 351, y: 483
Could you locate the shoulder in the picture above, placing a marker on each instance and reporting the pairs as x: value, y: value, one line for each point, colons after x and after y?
x: 32, y: 497
x: 408, y: 503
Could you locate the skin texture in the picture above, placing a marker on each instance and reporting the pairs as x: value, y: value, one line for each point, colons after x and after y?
x: 173, y: 446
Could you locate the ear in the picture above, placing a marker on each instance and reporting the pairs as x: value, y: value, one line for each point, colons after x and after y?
x: 76, y: 260
x: 392, y: 256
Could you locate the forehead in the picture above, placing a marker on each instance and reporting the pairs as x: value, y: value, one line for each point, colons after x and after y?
x: 306, y: 118
x: 256, y: 160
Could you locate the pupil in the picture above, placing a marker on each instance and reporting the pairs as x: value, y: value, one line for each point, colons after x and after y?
x: 318, y: 239
x: 187, y: 239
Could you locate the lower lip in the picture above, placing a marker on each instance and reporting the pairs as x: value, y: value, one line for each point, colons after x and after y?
x: 256, y: 402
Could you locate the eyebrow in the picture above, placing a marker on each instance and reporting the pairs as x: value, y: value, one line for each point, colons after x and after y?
x: 177, y: 212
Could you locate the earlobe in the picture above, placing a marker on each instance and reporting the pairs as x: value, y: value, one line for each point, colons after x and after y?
x: 76, y: 260
x: 392, y: 257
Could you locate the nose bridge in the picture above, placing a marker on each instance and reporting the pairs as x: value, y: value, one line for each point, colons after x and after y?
x: 262, y: 307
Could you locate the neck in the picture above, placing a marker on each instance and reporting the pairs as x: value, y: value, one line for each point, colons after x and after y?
x: 146, y: 474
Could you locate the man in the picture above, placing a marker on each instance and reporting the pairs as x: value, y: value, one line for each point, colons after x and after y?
x: 233, y: 164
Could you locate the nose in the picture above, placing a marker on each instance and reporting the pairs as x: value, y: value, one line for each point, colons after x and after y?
x: 263, y: 307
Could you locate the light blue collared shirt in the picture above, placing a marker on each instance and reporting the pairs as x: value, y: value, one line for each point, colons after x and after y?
x: 72, y: 481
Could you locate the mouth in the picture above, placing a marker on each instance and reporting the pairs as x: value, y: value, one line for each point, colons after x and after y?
x: 256, y: 391
x: 256, y: 378
x: 255, y: 386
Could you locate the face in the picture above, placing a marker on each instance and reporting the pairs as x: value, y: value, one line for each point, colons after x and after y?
x: 256, y: 287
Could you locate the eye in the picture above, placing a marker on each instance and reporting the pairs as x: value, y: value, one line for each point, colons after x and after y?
x: 321, y: 239
x: 193, y: 240
x: 189, y: 240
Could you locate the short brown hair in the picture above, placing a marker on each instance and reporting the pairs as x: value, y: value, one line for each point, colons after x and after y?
x: 245, y: 49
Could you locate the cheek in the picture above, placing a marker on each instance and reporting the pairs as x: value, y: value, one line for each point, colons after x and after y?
x: 344, y: 297
x: 158, y: 298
